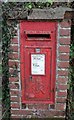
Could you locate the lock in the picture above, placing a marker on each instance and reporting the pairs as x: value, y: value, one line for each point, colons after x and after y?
x: 30, y: 77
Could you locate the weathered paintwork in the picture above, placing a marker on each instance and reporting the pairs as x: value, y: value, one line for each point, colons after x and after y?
x: 38, y: 61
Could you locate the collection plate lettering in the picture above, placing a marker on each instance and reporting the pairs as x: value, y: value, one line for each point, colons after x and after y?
x: 38, y: 64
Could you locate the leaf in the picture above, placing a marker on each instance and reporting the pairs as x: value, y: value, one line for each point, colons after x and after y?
x: 51, y: 1
x: 30, y: 6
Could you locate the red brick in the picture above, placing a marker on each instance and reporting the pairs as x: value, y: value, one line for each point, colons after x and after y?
x: 14, y: 99
x: 65, y: 24
x: 14, y: 48
x: 13, y: 64
x: 38, y: 106
x: 50, y: 114
x: 60, y: 113
x: 13, y: 117
x: 14, y: 86
x: 13, y: 56
x: 62, y: 87
x: 64, y: 49
x: 14, y: 93
x: 65, y: 41
x: 60, y: 106
x: 13, y: 79
x: 21, y: 112
x: 63, y: 64
x: 62, y: 80
x: 64, y: 57
x: 64, y: 32
x: 62, y: 94
x: 11, y: 71
x: 43, y: 114
x: 15, y: 105
x: 61, y: 100
x: 14, y: 41
x: 63, y: 73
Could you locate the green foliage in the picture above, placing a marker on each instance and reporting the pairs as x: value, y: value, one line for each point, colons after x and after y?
x: 72, y: 59
x: 7, y: 34
x: 51, y: 1
x: 5, y: 46
x: 71, y: 77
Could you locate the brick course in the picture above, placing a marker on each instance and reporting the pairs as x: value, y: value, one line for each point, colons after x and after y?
x: 65, y: 24
x: 15, y: 105
x: 64, y: 57
x: 64, y: 49
x: 60, y: 106
x: 63, y: 73
x: 64, y: 32
x: 14, y: 48
x: 14, y: 41
x: 64, y: 41
x: 13, y: 56
x: 13, y: 79
x: 14, y: 92
x: 60, y: 100
x: 62, y: 94
x: 14, y: 99
x: 63, y: 64
x: 62, y: 80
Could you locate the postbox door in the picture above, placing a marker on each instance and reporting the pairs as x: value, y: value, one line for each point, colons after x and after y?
x: 37, y: 74
x: 38, y: 61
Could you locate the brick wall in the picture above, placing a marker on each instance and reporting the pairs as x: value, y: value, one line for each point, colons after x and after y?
x: 19, y: 110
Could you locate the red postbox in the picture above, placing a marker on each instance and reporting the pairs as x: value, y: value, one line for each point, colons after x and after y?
x: 38, y: 61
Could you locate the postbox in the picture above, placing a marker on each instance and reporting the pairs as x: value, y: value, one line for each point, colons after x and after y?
x: 38, y: 61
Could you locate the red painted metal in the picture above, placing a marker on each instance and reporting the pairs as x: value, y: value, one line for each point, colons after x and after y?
x: 38, y: 41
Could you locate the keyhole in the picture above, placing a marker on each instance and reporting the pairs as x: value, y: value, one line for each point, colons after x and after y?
x: 30, y: 77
